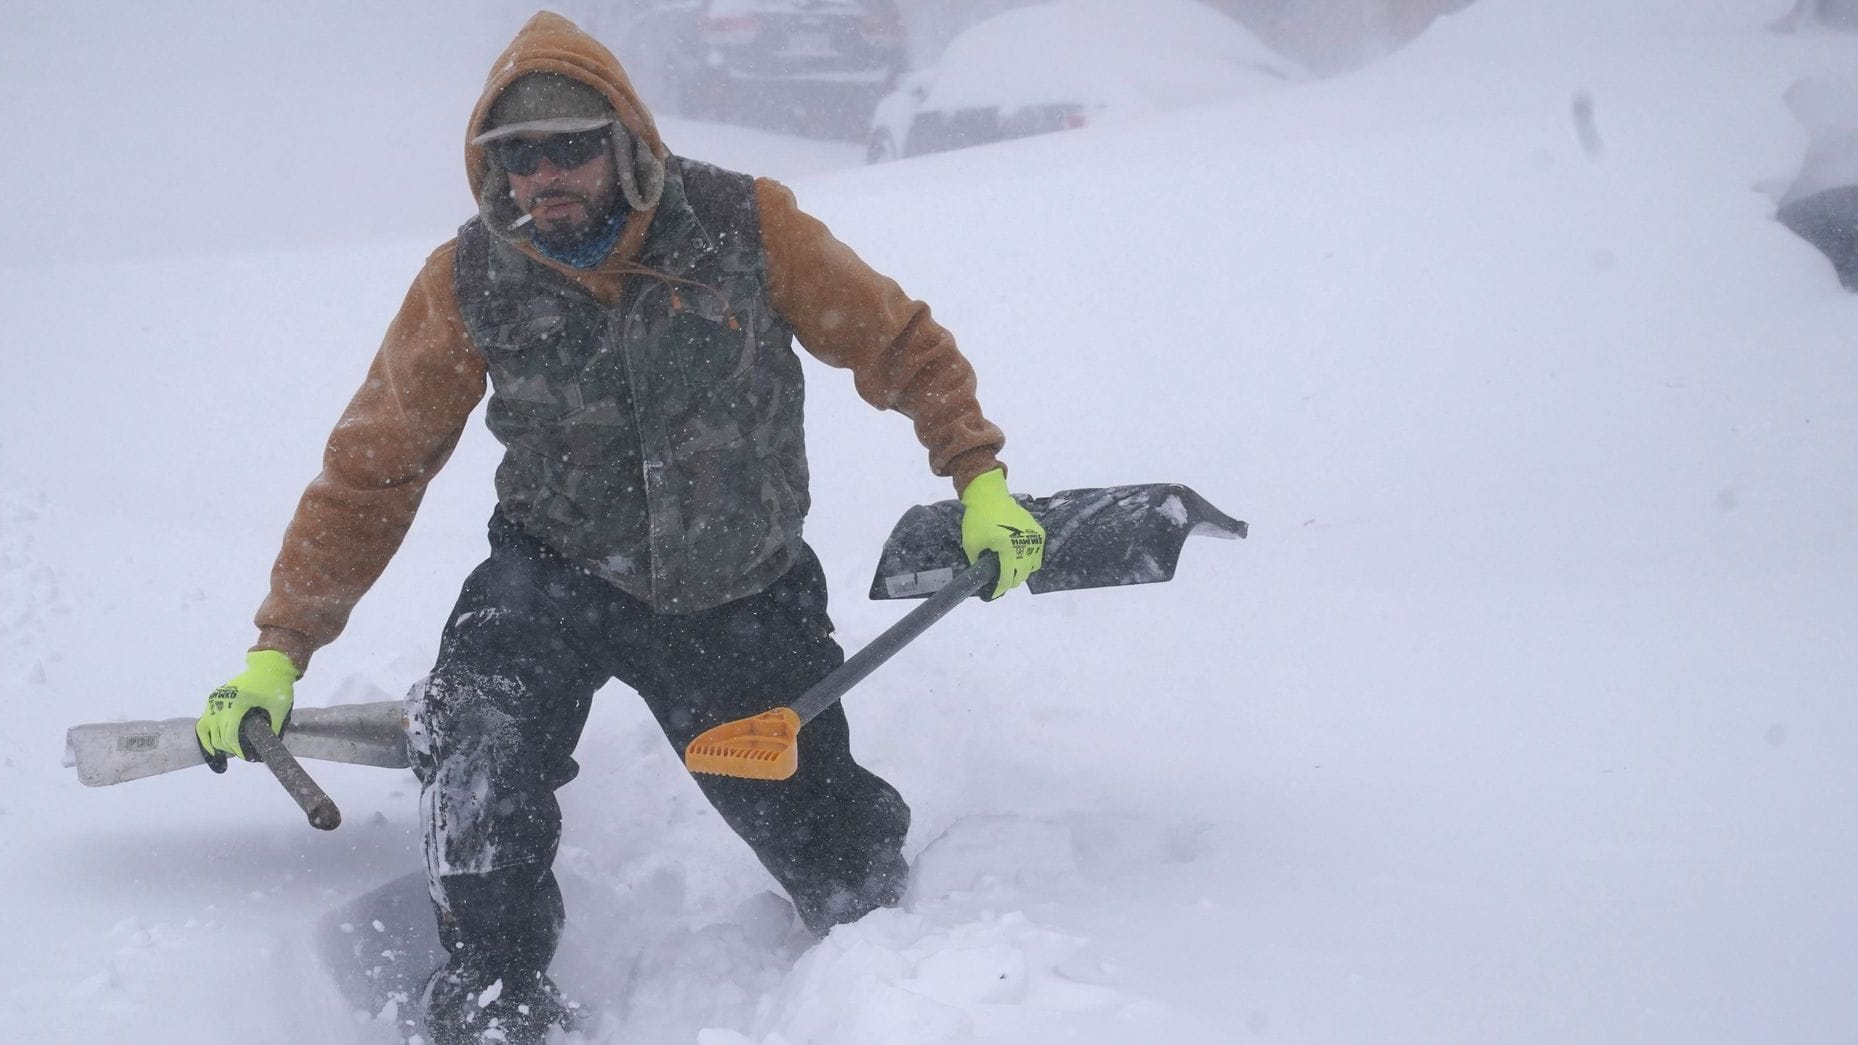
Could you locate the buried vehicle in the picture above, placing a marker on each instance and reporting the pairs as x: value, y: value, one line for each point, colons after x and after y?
x: 735, y: 56
x: 1821, y: 204
x: 1072, y: 63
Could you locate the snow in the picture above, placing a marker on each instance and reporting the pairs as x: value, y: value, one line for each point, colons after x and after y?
x: 1162, y: 54
x: 1525, y: 714
x: 1827, y: 107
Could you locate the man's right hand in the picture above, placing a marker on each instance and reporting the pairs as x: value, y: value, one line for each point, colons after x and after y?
x: 265, y: 683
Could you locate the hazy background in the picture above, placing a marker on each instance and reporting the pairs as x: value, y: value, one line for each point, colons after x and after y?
x: 181, y: 128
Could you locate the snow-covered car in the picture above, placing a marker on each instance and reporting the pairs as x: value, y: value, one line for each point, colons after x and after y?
x: 1822, y: 203
x: 1072, y: 63
x: 1832, y: 14
x: 736, y: 51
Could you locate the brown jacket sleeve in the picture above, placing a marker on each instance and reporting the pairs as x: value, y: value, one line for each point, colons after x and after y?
x: 850, y: 316
x: 395, y: 435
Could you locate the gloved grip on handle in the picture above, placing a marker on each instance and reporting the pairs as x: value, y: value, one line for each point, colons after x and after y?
x: 268, y: 747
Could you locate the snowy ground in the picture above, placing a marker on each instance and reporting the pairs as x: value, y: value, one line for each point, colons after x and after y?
x: 1522, y: 717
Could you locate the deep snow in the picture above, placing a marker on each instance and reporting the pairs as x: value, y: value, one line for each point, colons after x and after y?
x: 1522, y: 717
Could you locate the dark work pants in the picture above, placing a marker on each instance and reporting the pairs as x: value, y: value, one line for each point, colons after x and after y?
x: 493, y: 728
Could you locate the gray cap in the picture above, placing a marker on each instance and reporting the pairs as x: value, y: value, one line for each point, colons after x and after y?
x: 545, y: 103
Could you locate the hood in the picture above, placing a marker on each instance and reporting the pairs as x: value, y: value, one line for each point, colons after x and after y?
x: 549, y: 43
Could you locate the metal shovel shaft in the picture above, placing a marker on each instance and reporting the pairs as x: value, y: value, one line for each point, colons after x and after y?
x: 765, y: 746
x: 828, y: 690
x: 256, y: 736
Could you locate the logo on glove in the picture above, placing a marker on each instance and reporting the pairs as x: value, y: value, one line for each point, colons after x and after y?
x: 1024, y: 542
x: 222, y: 698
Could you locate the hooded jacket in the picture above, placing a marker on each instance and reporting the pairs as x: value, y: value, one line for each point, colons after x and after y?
x: 403, y: 423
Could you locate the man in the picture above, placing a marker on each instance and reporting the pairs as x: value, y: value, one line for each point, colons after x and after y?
x: 632, y: 313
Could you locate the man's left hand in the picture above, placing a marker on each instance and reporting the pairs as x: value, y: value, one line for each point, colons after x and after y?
x: 992, y: 521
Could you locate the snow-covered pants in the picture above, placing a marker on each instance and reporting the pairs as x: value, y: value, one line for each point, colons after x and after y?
x: 493, y: 728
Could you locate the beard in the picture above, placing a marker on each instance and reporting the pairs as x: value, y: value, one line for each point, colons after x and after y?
x: 571, y: 240
x: 580, y: 242
x: 567, y: 231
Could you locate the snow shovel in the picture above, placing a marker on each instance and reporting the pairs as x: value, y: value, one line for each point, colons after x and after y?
x: 1094, y: 538
x: 373, y: 734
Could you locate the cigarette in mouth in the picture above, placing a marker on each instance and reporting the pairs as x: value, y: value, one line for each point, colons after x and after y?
x: 520, y: 222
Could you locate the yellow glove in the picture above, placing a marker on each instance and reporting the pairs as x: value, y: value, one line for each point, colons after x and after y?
x: 992, y: 521
x: 265, y: 683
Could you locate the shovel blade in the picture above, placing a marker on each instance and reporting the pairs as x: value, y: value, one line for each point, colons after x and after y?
x: 1101, y: 537
x: 761, y: 747
x: 105, y: 753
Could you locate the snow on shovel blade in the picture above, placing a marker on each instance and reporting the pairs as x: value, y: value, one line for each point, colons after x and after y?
x: 1094, y: 538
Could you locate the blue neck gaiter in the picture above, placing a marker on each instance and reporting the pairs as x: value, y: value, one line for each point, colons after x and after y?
x: 589, y: 248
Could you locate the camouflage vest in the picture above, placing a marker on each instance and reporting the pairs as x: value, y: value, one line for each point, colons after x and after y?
x: 658, y: 443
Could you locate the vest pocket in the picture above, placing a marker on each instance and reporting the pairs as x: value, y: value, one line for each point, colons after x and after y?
x: 710, y: 355
x: 534, y: 425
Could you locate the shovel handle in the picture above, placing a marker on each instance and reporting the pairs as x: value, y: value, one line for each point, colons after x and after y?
x: 257, y: 738
x: 827, y: 691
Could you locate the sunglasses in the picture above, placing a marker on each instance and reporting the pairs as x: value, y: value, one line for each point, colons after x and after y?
x: 565, y: 151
